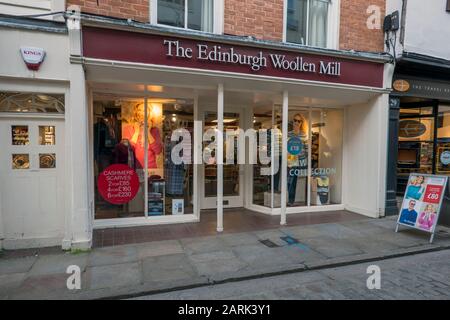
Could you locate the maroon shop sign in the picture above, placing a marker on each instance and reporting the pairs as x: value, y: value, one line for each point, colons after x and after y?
x: 154, y: 49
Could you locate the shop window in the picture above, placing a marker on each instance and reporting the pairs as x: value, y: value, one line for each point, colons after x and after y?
x: 15, y: 102
x: 307, y: 22
x: 298, y: 157
x: 416, y: 142
x: 135, y: 173
x: 231, y: 183
x: 267, y: 187
x: 187, y: 14
x: 326, y: 156
x: 443, y: 140
x: 314, y: 157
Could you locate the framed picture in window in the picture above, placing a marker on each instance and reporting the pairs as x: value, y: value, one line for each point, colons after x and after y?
x: 443, y: 160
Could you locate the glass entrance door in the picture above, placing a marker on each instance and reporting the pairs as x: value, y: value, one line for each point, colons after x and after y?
x: 233, y: 173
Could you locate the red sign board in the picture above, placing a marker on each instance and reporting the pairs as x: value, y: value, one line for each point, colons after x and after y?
x: 118, y: 184
x: 164, y: 50
x: 433, y: 194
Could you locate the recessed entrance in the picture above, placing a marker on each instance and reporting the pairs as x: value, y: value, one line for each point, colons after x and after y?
x: 233, y: 172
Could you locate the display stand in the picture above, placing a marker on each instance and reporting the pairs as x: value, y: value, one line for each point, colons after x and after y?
x: 422, y: 203
x: 156, y: 197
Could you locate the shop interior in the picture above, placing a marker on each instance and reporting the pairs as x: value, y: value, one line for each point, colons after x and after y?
x: 424, y: 139
x: 119, y: 122
x: 119, y: 138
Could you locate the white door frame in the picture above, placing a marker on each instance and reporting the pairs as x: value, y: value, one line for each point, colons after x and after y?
x: 32, y: 234
x: 233, y: 201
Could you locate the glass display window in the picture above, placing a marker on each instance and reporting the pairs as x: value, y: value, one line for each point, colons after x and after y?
x: 133, y: 142
x: 298, y: 156
x: 267, y: 188
x: 443, y: 140
x: 326, y: 156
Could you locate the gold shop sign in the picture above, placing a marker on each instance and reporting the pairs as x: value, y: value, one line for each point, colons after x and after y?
x: 401, y: 85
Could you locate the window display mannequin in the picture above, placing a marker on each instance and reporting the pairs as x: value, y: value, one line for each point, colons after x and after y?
x: 297, y: 163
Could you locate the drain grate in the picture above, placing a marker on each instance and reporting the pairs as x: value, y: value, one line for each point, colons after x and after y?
x: 289, y: 240
x: 269, y: 243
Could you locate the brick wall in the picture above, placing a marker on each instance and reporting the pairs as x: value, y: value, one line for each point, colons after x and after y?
x: 354, y: 33
x: 134, y: 9
x: 262, y: 19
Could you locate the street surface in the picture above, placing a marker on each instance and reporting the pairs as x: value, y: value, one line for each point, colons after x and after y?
x: 423, y: 276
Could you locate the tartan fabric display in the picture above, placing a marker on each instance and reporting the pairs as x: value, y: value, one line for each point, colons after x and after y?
x: 173, y: 173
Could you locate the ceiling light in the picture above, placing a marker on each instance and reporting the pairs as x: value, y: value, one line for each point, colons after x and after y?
x: 152, y: 88
x: 225, y: 121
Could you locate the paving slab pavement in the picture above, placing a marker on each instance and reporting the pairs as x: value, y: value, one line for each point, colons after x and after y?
x: 129, y: 270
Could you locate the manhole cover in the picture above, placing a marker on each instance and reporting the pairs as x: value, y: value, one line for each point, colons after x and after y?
x: 268, y: 243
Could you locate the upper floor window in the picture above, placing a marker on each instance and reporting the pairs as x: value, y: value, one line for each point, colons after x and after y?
x: 187, y: 14
x: 307, y: 22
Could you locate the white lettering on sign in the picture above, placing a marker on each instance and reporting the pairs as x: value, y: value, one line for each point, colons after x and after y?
x: 33, y: 57
x: 256, y: 62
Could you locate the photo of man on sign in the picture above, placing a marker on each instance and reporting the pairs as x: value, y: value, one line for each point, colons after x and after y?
x: 409, y: 214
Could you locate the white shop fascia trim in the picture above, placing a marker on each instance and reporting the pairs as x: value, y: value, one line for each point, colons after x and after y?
x: 143, y: 221
x: 223, y: 74
x: 7, y: 78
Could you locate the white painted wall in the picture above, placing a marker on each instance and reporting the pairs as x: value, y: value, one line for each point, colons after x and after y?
x: 56, y: 75
x: 56, y: 46
x: 365, y: 145
x: 427, y: 27
x: 32, y: 7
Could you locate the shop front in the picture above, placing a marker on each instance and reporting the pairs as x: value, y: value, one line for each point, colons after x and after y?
x: 420, y: 123
x: 180, y: 122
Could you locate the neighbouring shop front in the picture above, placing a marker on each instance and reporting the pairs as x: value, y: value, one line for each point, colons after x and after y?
x: 39, y: 201
x: 304, y: 129
x: 419, y: 122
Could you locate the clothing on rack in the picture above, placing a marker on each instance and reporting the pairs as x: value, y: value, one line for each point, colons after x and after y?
x: 173, y: 173
x: 124, y: 154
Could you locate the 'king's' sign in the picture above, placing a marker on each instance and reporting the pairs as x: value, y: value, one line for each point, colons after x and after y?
x: 33, y: 57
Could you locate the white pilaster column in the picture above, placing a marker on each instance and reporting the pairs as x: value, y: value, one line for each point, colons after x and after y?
x: 146, y: 143
x: 284, y: 172
x: 79, y: 216
x: 197, y: 159
x: 219, y: 157
x: 2, y: 235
